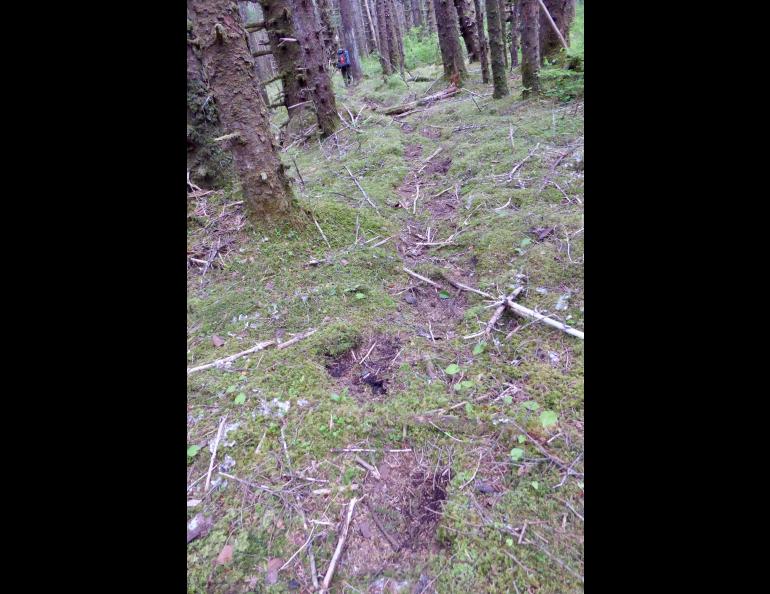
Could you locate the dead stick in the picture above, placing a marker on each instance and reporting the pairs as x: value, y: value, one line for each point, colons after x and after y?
x: 558, y: 461
x: 471, y: 289
x: 499, y: 311
x: 532, y: 314
x: 555, y: 28
x: 422, y: 278
x: 214, y: 453
x: 220, y: 362
x: 360, y: 188
x: 322, y: 233
x: 340, y: 545
x: 369, y: 467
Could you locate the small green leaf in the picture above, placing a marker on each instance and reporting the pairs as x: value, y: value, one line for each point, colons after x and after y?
x: 468, y: 409
x: 336, y: 397
x: 230, y: 389
x: 240, y: 398
x: 479, y: 348
x: 517, y: 454
x: 443, y: 294
x: 530, y: 405
x: 192, y: 450
x: 508, y: 399
x: 525, y: 242
x: 535, y: 485
x: 509, y: 542
x: 521, y: 439
x: 580, y: 484
x: 360, y: 296
x: 548, y: 418
x: 452, y: 369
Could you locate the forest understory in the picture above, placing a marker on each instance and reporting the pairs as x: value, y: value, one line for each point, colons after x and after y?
x: 448, y: 428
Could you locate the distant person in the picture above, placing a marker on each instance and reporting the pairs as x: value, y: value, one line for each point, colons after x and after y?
x: 343, y: 63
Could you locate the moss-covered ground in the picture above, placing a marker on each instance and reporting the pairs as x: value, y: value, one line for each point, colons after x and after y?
x: 396, y: 364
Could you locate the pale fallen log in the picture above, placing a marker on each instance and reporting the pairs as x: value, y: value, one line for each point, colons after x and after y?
x: 445, y: 94
x: 254, y: 349
x: 422, y: 278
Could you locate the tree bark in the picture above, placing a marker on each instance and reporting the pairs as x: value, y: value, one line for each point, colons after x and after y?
x: 417, y: 18
x: 483, y: 44
x: 384, y: 38
x: 251, y: 12
x: 229, y: 66
x: 288, y: 57
x: 530, y: 46
x: 562, y: 12
x: 395, y: 38
x: 515, y: 21
x: 328, y: 31
x: 496, y: 49
x: 360, y: 25
x: 430, y: 15
x: 371, y: 30
x: 308, y: 32
x: 466, y: 19
x: 350, y: 37
x: 449, y: 40
x: 408, y: 15
x: 503, y: 36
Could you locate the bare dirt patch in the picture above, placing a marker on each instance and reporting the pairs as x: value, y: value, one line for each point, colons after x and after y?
x: 430, y: 132
x: 368, y: 372
x: 395, y: 527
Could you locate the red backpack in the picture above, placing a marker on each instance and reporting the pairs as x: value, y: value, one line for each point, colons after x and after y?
x: 341, y: 59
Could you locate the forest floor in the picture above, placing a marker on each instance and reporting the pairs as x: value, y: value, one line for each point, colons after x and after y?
x: 477, y: 439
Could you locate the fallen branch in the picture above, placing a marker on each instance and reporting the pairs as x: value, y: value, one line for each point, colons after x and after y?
x: 445, y: 94
x: 499, y: 311
x: 360, y: 188
x: 214, y: 453
x: 340, y: 545
x: 369, y: 467
x: 422, y: 278
x: 532, y: 314
x: 254, y: 349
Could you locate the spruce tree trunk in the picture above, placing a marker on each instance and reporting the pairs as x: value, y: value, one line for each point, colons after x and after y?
x: 430, y: 15
x: 530, y: 46
x: 562, y: 12
x: 251, y: 12
x: 395, y: 38
x: 503, y: 36
x: 350, y: 38
x: 384, y: 38
x: 361, y: 34
x: 467, y: 21
x: 417, y: 13
x: 483, y: 44
x: 328, y: 31
x: 408, y: 15
x: 449, y: 40
x: 287, y: 56
x: 496, y: 49
x: 514, y: 34
x: 308, y: 33
x: 229, y: 66
x: 371, y: 31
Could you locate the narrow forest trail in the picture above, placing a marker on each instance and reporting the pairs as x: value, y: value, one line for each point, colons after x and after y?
x: 476, y: 440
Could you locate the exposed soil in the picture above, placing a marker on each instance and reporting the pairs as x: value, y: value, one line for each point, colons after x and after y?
x: 369, y: 380
x: 406, y: 505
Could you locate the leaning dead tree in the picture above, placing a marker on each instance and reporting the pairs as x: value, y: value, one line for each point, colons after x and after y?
x: 530, y: 45
x: 496, y: 49
x: 554, y: 31
x: 449, y: 40
x: 230, y: 70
